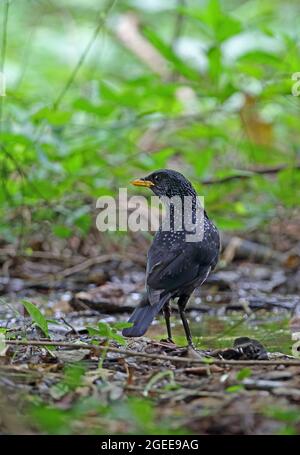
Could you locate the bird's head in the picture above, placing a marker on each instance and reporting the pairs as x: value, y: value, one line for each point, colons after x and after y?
x: 166, y: 182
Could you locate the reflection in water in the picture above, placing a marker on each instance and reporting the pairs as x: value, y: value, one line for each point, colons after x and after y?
x: 215, y: 332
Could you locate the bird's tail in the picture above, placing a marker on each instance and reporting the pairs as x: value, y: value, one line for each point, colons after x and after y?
x: 142, y: 317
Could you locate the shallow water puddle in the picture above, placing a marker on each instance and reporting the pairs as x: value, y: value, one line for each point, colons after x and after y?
x: 216, y: 332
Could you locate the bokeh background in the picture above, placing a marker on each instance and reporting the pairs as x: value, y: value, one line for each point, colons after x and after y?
x: 101, y: 92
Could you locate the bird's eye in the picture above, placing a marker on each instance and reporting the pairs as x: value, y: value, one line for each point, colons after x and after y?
x: 156, y: 178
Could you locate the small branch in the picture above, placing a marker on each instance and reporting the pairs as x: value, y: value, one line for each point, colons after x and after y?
x: 235, y: 247
x: 4, y: 35
x: 77, y: 267
x: 179, y: 21
x: 80, y: 261
x: 89, y: 263
x: 100, y: 260
x: 178, y: 26
x: 3, y: 52
x: 128, y: 353
x: 250, y: 173
x: 128, y: 33
x: 13, y: 252
x: 202, y: 393
x: 102, y: 18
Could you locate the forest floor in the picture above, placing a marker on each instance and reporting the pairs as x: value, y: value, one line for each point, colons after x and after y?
x: 89, y: 379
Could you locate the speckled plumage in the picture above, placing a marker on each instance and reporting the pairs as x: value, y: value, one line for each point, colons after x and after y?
x: 175, y: 267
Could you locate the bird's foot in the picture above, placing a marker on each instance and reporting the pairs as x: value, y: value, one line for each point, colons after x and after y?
x: 192, y: 352
x: 167, y: 340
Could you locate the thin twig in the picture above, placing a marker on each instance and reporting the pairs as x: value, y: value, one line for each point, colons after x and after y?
x: 101, y: 21
x: 88, y: 263
x: 178, y: 22
x: 178, y: 27
x: 128, y: 353
x: 157, y: 391
x: 13, y: 252
x: 99, y: 260
x: 3, y: 52
x: 130, y: 36
x: 75, y: 268
x: 249, y: 174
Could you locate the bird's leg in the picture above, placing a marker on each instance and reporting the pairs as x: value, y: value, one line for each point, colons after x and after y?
x: 167, y: 315
x: 182, y: 301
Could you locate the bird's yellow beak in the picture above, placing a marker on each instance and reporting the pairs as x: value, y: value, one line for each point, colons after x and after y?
x: 141, y: 182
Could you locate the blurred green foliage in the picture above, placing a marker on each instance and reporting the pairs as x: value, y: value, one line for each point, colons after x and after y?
x: 90, y: 416
x: 115, y: 414
x: 222, y: 103
x: 109, y: 332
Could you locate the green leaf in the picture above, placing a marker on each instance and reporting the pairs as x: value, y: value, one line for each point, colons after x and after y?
x: 92, y: 331
x: 215, y: 63
x: 119, y: 338
x: 243, y: 374
x: 104, y: 329
x: 122, y: 325
x: 166, y: 50
x: 208, y: 360
x: 56, y: 118
x: 73, y: 375
x: 235, y: 388
x: 37, y: 317
x: 229, y: 223
x: 61, y: 231
x: 214, y: 22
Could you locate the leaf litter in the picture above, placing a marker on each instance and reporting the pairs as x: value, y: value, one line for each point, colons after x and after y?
x: 245, y: 315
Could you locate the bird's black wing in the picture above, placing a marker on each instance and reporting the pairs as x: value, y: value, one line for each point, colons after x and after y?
x: 180, y: 266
